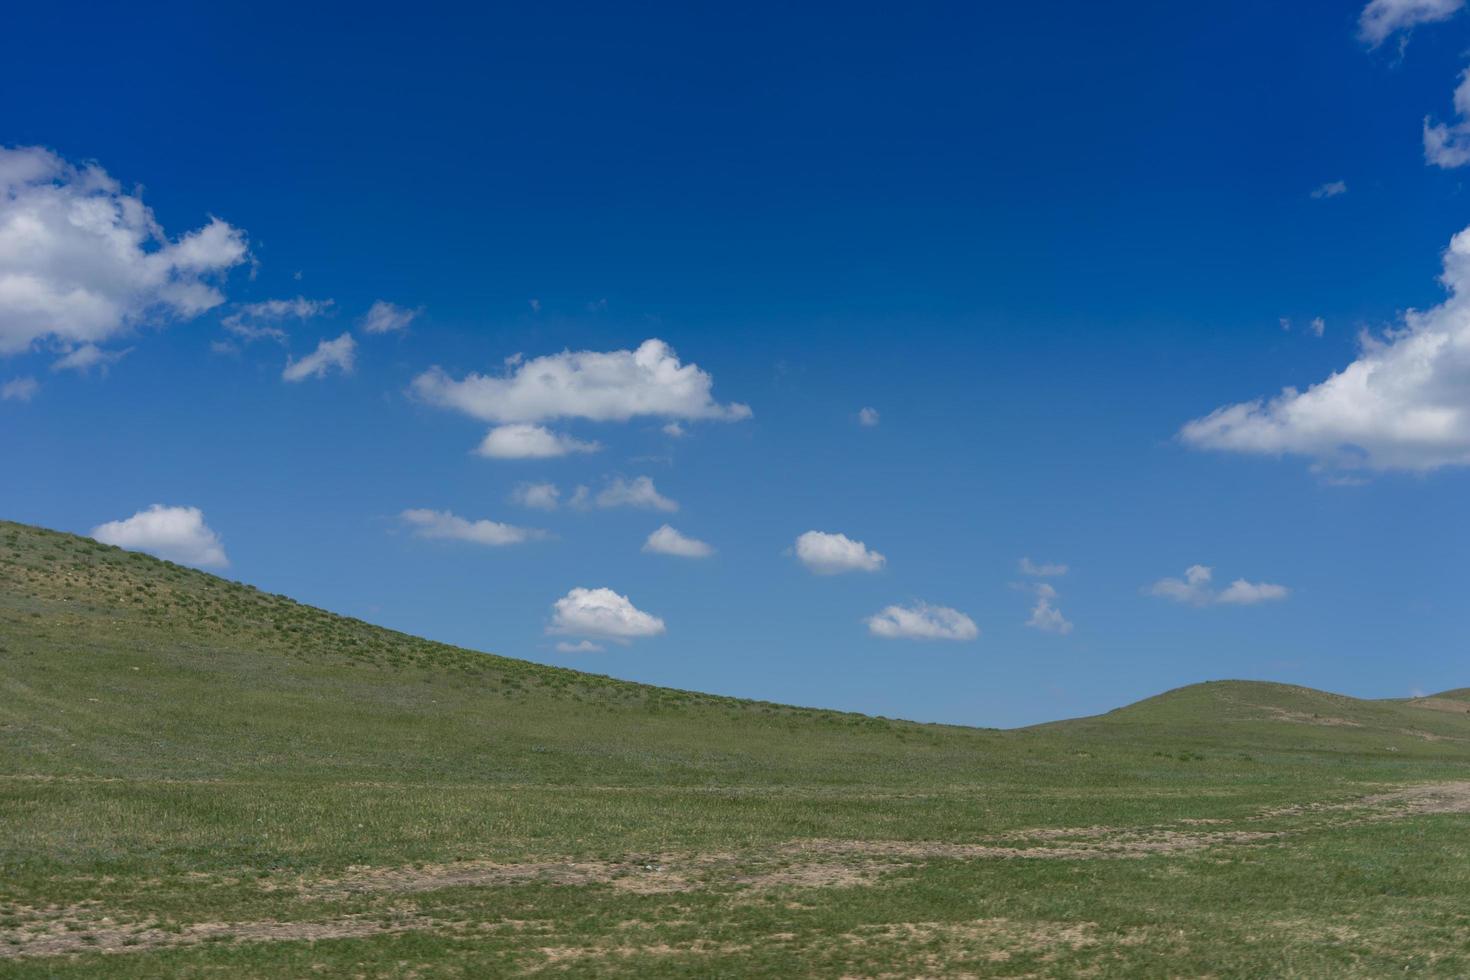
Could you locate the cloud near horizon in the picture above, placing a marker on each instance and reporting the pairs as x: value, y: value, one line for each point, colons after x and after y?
x: 602, y: 614
x: 1403, y: 404
x: 922, y: 621
x: 82, y: 262
x: 177, y: 534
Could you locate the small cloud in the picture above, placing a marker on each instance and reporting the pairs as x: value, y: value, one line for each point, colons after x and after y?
x: 260, y: 321
x: 667, y: 541
x: 1243, y: 593
x: 597, y: 306
x: 1195, y: 589
x: 581, y: 646
x: 223, y: 348
x: 540, y: 496
x: 1330, y: 189
x: 173, y: 533
x: 922, y: 621
x: 1318, y: 326
x: 1045, y: 616
x: 524, y: 441
x: 446, y: 526
x: 385, y: 317
x: 1042, y: 569
x: 832, y: 554
x: 1381, y: 19
x: 868, y: 417
x: 340, y: 354
x: 638, y: 492
x: 1285, y: 323
x: 535, y: 305
x: 19, y: 390
x: 601, y: 614
x: 675, y: 430
x: 88, y: 356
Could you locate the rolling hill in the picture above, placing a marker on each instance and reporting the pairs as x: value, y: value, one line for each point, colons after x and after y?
x: 196, y: 776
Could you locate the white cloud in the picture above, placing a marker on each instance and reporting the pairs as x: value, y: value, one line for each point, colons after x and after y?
x: 176, y: 533
x: 675, y: 430
x: 610, y: 386
x: 541, y: 496
x: 922, y: 621
x: 1403, y: 404
x: 1241, y: 592
x: 602, y: 614
x: 867, y: 417
x: 258, y: 321
x: 1195, y: 589
x: 1381, y: 19
x: 637, y: 492
x: 581, y: 646
x: 87, y: 357
x: 1332, y: 188
x: 443, y: 525
x: 385, y: 317
x: 521, y: 441
x: 1318, y: 326
x: 1447, y: 145
x: 340, y: 353
x: 830, y: 554
x: 81, y: 261
x: 19, y: 390
x: 1042, y: 569
x: 1045, y: 616
x: 667, y: 541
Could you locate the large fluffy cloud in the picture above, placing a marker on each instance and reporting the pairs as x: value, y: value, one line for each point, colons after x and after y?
x: 82, y: 261
x: 667, y: 541
x: 1381, y: 19
x: 1196, y: 589
x: 522, y: 441
x: 176, y: 533
x: 445, y: 525
x: 1403, y: 404
x: 340, y: 354
x: 922, y: 621
x: 830, y: 554
x: 601, y: 614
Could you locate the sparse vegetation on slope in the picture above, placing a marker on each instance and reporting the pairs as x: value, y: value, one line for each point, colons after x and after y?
x: 197, y: 777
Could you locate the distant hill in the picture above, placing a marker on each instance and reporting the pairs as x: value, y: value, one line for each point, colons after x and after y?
x: 200, y: 778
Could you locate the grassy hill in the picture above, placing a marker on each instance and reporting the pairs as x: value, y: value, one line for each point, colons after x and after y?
x: 200, y: 778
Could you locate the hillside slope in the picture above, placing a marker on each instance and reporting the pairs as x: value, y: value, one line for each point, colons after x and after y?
x: 198, y: 777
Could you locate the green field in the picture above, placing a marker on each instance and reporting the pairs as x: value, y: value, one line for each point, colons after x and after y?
x: 198, y: 778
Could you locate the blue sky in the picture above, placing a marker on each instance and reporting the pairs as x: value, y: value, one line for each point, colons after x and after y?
x: 1043, y: 244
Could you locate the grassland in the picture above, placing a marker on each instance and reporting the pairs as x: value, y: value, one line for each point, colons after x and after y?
x: 198, y: 778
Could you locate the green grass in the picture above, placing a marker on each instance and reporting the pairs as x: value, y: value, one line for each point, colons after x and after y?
x: 200, y: 778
